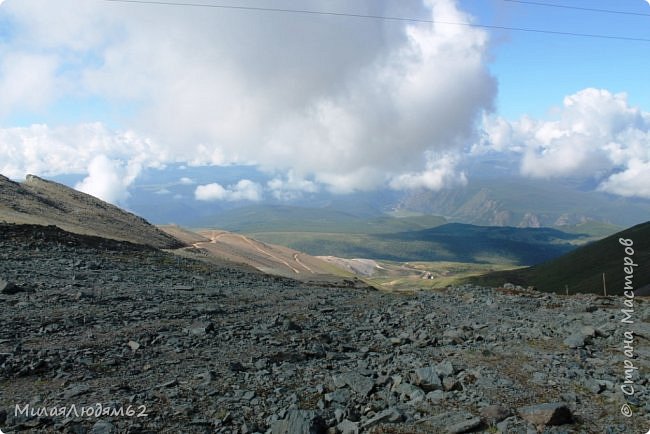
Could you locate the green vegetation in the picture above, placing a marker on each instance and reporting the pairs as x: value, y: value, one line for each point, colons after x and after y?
x: 582, y: 269
x: 279, y: 218
x: 450, y: 242
x: 397, y: 276
x: 592, y: 229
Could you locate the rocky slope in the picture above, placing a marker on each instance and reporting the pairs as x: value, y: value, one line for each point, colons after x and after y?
x: 184, y: 346
x: 42, y: 202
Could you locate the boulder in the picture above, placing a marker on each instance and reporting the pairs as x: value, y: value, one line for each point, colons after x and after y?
x: 427, y: 378
x: 557, y: 413
x: 299, y: 421
x: 10, y: 288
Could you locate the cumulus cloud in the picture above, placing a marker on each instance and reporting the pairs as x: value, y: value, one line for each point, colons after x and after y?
x: 351, y: 104
x: 245, y: 189
x: 634, y: 180
x: 44, y: 150
x: 291, y: 187
x: 108, y: 179
x: 440, y: 172
x: 596, y: 134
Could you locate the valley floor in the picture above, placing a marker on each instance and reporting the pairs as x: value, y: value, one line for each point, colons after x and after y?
x: 202, y: 348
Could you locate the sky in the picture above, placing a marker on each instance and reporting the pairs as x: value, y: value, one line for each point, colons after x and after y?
x: 109, y: 90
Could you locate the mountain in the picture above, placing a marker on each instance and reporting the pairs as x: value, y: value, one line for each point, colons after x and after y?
x: 255, y: 219
x: 265, y: 257
x: 522, y: 202
x: 41, y: 202
x: 582, y: 269
x: 454, y: 242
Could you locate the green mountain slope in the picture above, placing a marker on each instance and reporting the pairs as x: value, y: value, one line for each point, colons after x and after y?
x: 281, y: 218
x: 582, y: 269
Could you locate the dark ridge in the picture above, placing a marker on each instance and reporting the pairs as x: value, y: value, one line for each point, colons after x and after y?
x: 37, y: 236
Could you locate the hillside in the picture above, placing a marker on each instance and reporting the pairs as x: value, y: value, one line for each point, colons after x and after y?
x: 92, y: 321
x: 526, y: 203
x: 41, y: 202
x: 453, y: 242
x: 268, y: 258
x: 582, y: 269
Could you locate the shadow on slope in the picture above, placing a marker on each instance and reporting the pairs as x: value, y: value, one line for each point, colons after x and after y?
x: 582, y: 269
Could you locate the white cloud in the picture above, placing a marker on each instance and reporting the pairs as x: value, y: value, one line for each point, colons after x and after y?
x: 44, y: 150
x: 245, y: 189
x: 596, y: 134
x: 348, y: 103
x: 633, y: 181
x: 112, y: 160
x: 186, y: 181
x: 27, y: 81
x: 440, y: 172
x: 291, y: 187
x: 108, y: 180
x: 210, y: 192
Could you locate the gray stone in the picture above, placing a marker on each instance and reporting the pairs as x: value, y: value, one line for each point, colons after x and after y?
x: 201, y: 328
x: 493, y: 414
x: 450, y: 383
x: 463, y: 426
x: 427, y: 378
x: 436, y: 396
x: 9, y: 288
x: 357, y: 382
x: 291, y: 326
x: 546, y: 414
x: 348, y: 427
x: 588, y: 331
x: 340, y: 395
x: 411, y: 392
x: 103, y: 427
x: 76, y: 390
x: 390, y: 415
x: 445, y: 369
x: 299, y: 421
x: 576, y: 340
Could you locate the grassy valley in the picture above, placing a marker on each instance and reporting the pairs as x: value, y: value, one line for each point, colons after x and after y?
x: 411, y: 237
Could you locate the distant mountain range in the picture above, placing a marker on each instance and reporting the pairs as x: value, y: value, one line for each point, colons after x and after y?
x: 526, y: 203
x: 286, y: 218
x: 327, y: 232
x: 492, y: 197
x: 582, y: 269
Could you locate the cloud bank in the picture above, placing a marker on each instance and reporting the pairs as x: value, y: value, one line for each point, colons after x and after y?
x: 595, y: 134
x: 341, y: 102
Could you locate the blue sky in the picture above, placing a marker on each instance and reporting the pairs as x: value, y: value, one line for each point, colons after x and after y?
x: 535, y: 71
x: 106, y: 91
